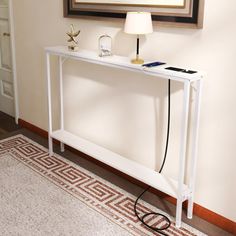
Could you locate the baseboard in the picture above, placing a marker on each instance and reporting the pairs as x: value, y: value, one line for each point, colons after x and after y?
x: 199, y: 211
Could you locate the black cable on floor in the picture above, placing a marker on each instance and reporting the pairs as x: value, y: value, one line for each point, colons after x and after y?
x: 142, y: 219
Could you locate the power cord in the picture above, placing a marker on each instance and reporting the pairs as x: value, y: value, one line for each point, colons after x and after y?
x: 142, y: 219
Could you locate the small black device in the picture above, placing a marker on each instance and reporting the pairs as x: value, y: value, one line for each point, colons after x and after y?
x: 181, y: 70
x: 155, y: 63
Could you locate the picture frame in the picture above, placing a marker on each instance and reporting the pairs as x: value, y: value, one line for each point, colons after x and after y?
x: 182, y: 13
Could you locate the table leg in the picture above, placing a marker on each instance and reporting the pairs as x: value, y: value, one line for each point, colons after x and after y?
x: 61, y: 60
x: 183, y: 143
x: 50, y: 140
x: 194, y: 148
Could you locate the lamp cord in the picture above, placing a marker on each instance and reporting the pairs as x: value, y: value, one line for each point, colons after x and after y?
x: 142, y: 219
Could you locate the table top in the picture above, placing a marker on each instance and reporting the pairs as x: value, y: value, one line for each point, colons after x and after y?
x: 123, y: 63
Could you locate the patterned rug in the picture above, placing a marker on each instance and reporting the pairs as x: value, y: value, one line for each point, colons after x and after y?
x: 98, y: 194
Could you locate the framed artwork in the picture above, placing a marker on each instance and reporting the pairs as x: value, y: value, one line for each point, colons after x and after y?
x: 188, y: 13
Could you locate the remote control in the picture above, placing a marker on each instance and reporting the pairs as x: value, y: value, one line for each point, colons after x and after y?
x: 152, y: 64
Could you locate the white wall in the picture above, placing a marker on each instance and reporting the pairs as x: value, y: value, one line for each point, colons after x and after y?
x: 126, y: 112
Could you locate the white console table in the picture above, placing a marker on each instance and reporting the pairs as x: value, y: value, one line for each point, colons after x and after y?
x: 175, y: 188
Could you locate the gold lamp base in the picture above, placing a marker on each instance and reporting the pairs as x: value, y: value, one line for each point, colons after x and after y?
x: 137, y: 60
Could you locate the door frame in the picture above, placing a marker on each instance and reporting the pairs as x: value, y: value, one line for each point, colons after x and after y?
x: 13, y: 54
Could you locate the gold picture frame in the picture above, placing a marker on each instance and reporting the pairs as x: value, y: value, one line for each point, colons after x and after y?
x: 184, y: 13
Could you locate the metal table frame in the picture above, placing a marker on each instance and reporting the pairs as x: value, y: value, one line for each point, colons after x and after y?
x: 183, y: 192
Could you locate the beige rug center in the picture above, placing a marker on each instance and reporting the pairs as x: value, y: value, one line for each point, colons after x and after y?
x: 32, y: 205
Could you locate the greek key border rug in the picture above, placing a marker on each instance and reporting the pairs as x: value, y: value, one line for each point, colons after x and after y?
x: 98, y: 194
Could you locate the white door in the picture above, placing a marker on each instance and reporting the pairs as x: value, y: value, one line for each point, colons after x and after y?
x: 6, y: 75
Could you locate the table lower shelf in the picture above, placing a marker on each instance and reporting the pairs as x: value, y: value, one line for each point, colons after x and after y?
x: 129, y: 167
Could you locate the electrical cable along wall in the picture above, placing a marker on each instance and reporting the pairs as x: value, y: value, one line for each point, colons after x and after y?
x: 142, y: 219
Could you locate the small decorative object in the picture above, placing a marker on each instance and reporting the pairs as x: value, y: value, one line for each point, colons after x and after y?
x: 72, y: 38
x: 105, y: 44
x: 138, y: 23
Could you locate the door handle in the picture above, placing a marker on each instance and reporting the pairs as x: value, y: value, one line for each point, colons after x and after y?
x: 6, y: 34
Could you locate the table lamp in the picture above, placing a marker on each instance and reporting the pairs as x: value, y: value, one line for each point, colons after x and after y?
x: 138, y: 23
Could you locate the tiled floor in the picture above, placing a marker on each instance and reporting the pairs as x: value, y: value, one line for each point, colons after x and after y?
x: 7, y: 124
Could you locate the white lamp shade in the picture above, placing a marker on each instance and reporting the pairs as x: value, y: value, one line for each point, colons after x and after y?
x: 138, y: 23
